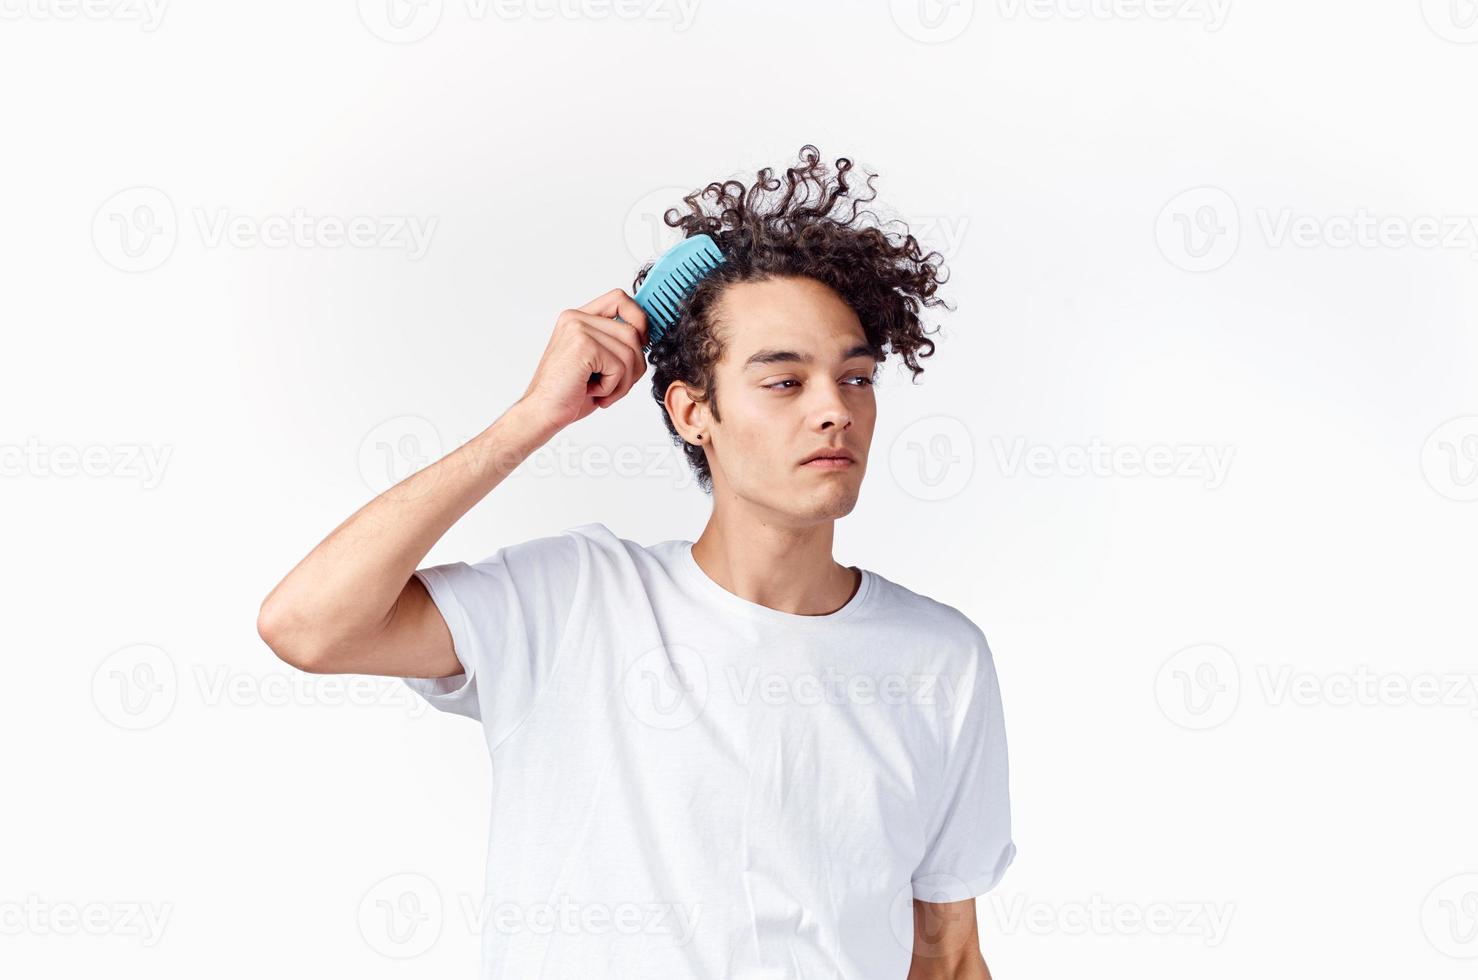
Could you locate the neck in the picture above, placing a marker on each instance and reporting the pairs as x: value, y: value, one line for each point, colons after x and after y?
x: 784, y: 567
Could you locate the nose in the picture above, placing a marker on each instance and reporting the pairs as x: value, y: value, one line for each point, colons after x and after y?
x: 836, y: 420
x: 833, y: 414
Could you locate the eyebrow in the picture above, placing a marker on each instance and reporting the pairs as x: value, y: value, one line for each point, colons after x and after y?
x: 770, y: 355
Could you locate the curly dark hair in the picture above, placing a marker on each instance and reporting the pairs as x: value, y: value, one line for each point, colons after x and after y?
x: 884, y: 276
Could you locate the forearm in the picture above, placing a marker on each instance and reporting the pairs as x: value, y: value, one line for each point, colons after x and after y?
x: 946, y: 942
x: 347, y: 586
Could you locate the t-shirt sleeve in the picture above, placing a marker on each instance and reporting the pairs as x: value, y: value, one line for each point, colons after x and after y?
x: 969, y: 844
x: 507, y: 615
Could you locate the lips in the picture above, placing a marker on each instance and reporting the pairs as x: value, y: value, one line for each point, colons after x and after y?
x: 829, y: 457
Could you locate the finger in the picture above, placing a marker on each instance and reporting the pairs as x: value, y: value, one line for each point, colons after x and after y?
x: 627, y: 334
x: 634, y: 366
x: 615, y: 303
x: 611, y: 360
x: 624, y: 336
x: 628, y: 381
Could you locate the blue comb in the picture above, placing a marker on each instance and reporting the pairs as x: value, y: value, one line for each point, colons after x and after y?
x: 676, y: 274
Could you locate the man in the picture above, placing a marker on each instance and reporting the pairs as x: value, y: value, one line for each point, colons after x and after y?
x: 726, y: 758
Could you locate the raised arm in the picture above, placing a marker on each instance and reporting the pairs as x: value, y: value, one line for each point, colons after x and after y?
x: 353, y: 605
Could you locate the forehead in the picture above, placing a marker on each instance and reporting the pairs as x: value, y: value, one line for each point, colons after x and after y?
x: 796, y: 314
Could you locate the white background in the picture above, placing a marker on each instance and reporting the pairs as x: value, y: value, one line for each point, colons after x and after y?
x: 1216, y: 681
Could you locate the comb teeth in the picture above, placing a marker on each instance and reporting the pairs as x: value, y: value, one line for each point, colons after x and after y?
x: 672, y: 278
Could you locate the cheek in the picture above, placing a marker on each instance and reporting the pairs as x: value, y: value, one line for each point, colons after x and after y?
x: 760, y: 429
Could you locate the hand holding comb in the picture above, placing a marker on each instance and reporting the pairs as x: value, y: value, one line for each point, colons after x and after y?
x: 675, y: 275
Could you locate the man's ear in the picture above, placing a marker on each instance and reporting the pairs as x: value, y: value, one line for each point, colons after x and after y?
x: 689, y: 416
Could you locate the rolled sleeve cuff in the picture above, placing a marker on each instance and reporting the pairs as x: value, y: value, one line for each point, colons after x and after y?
x: 457, y: 693
x: 945, y: 887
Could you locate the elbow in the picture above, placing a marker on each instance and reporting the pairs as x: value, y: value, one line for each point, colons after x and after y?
x: 284, y: 633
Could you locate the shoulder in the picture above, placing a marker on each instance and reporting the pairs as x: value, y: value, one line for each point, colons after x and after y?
x: 953, y: 643
x: 924, y: 613
x: 601, y: 541
x: 588, y: 550
x: 577, y: 537
x: 563, y: 554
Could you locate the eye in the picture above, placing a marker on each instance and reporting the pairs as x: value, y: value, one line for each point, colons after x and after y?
x: 867, y: 381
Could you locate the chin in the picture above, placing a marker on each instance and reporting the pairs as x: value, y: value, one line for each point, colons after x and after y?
x: 830, y: 504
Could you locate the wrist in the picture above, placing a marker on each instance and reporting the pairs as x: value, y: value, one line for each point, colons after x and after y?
x: 528, y: 423
x: 495, y: 452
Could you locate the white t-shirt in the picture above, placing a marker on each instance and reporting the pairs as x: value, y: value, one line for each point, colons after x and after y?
x: 687, y: 784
